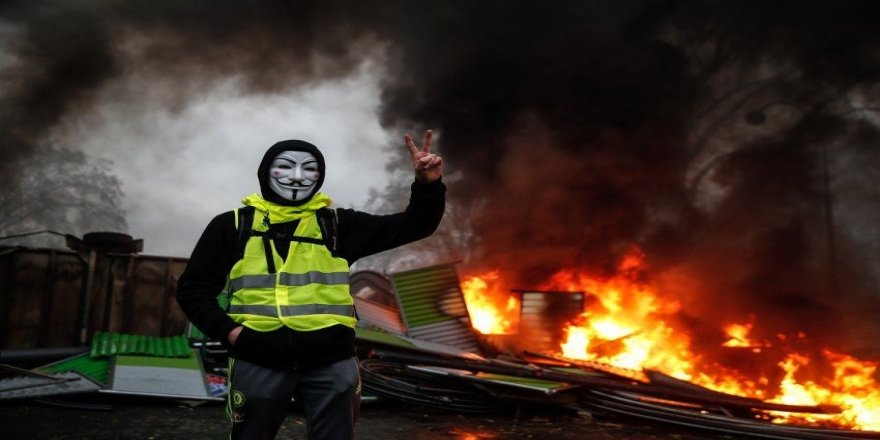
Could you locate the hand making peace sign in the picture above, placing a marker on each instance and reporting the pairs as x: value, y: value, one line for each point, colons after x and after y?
x: 428, y: 166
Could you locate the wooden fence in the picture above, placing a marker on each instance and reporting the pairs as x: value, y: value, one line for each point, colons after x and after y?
x: 59, y: 298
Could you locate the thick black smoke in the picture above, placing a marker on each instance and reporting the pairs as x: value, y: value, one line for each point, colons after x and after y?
x: 712, y: 135
x: 707, y: 133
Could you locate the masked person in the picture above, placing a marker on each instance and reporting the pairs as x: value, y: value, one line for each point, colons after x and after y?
x: 290, y: 323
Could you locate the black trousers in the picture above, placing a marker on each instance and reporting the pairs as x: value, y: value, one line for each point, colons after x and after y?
x: 259, y: 398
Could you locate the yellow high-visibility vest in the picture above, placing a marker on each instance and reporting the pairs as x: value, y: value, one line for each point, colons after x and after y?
x: 309, y: 290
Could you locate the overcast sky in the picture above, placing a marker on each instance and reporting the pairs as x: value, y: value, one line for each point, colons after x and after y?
x: 181, y: 167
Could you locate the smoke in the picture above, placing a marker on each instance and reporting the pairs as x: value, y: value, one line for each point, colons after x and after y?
x: 696, y: 131
x: 63, y: 63
x: 64, y: 53
x: 693, y: 130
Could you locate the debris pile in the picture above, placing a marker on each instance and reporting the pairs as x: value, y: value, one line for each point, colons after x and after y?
x: 433, y: 361
x: 118, y: 363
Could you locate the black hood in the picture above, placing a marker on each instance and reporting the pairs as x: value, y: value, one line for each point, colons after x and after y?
x: 274, y: 150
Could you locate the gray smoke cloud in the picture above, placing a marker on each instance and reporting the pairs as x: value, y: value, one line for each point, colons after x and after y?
x: 184, y: 99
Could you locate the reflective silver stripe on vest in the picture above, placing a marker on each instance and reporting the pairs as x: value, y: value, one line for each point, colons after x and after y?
x: 249, y: 281
x: 253, y: 310
x: 288, y: 279
x: 301, y: 310
x: 302, y: 279
x: 317, y: 309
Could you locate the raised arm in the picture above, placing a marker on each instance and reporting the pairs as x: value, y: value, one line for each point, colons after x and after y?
x: 362, y: 234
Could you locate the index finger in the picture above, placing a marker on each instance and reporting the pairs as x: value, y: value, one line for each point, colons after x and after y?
x: 410, y: 144
x: 429, y: 134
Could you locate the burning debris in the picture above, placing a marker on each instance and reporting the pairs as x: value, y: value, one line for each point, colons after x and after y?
x: 488, y: 316
x: 628, y: 323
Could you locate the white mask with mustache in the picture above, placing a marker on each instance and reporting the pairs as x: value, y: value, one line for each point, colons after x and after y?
x: 293, y: 175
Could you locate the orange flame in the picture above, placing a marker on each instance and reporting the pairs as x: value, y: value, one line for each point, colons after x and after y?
x: 739, y: 335
x: 624, y: 328
x: 631, y: 325
x: 852, y: 387
x: 490, y: 312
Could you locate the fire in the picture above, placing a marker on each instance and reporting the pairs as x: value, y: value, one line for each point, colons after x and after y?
x: 631, y: 325
x: 625, y: 327
x: 491, y: 312
x: 739, y: 336
x: 852, y: 387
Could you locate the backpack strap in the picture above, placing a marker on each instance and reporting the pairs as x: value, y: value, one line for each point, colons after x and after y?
x: 245, y: 232
x: 328, y: 223
x: 244, y: 222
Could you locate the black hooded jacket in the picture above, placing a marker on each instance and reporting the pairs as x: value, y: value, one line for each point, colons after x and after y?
x: 271, y: 153
x: 359, y: 235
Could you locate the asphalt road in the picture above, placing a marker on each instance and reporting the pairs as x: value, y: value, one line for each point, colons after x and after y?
x: 123, y: 418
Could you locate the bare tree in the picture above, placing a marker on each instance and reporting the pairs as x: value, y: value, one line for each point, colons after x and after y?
x: 60, y: 190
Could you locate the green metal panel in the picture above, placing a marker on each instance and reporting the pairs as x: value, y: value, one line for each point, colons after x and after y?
x: 382, y: 337
x: 160, y: 376
x: 94, y: 368
x: 420, y: 293
x: 525, y: 381
x: 189, y: 362
x: 417, y: 345
x: 433, y: 308
x: 110, y: 344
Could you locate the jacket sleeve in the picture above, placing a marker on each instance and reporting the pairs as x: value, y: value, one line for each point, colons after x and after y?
x: 362, y: 234
x: 205, y: 276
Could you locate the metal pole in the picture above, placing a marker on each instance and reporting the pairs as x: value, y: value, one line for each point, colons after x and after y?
x: 86, y: 299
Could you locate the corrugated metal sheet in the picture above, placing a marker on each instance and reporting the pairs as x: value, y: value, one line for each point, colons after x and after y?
x: 451, y: 332
x: 377, y: 315
x: 96, y: 369
x: 543, y: 313
x: 413, y: 344
x: 433, y: 307
x: 375, y: 302
x: 110, y: 344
